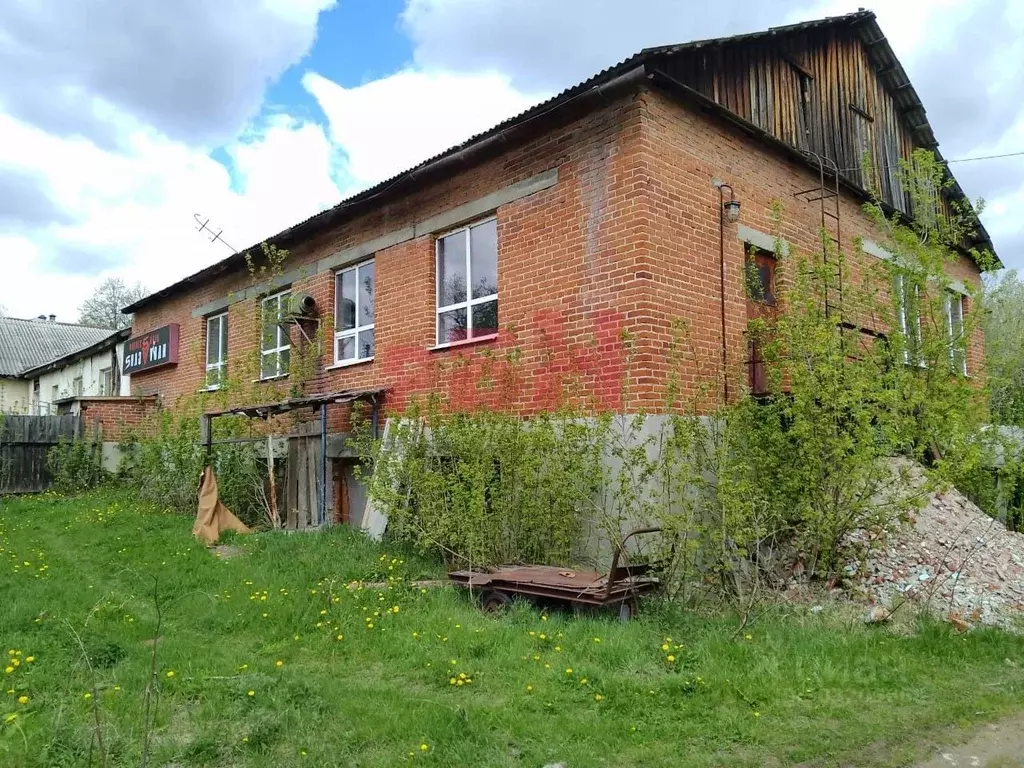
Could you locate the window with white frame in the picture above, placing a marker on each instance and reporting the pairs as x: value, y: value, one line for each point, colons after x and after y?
x: 908, y: 310
x: 955, y: 331
x: 216, y: 350
x: 467, y: 283
x: 353, y: 314
x: 275, y: 344
x: 106, y: 382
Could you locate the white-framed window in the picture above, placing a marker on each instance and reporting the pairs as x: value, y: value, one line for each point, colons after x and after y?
x: 353, y: 313
x: 908, y: 310
x: 275, y: 344
x: 106, y: 382
x: 216, y: 350
x: 467, y: 283
x: 955, y: 331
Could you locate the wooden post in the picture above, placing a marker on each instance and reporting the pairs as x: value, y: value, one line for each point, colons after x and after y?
x: 275, y: 519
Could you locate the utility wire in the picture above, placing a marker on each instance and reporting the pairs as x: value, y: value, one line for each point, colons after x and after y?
x: 947, y: 162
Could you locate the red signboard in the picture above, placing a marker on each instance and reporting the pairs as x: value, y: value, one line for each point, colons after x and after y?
x: 151, y: 350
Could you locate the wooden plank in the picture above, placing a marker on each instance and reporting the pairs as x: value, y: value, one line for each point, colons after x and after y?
x: 292, y: 495
x: 302, y: 477
x: 313, y: 452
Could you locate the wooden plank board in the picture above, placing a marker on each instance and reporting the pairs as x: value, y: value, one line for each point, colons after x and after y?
x: 301, y: 477
x: 292, y: 493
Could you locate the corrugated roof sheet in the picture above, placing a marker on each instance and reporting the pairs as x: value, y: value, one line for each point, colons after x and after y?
x: 881, y: 54
x: 26, y: 344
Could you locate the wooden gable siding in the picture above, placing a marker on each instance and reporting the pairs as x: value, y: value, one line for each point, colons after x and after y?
x: 848, y: 112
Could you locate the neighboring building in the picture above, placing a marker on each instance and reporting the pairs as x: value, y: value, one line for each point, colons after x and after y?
x: 28, y: 344
x: 592, y: 214
x: 92, y: 371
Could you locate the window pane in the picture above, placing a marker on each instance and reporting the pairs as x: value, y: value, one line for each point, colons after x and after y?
x: 365, y: 344
x: 269, y: 321
x: 223, y: 338
x: 284, y: 361
x: 212, y: 340
x: 485, y: 318
x: 451, y: 269
x: 346, y: 348
x: 345, y: 301
x: 268, y: 366
x: 366, y: 287
x: 451, y: 326
x: 483, y: 259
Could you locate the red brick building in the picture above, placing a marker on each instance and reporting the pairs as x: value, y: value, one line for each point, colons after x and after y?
x: 592, y: 215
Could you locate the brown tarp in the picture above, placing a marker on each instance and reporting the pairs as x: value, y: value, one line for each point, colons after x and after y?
x: 213, y: 517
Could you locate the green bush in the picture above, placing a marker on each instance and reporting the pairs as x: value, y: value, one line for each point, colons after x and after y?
x: 75, y: 466
x: 165, y: 459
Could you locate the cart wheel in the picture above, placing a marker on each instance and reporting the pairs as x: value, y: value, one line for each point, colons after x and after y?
x: 627, y: 609
x: 495, y: 601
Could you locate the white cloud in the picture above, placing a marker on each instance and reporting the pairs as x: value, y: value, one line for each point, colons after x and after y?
x: 389, y: 125
x: 135, y: 209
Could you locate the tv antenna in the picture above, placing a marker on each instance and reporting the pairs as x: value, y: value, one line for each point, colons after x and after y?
x: 203, y: 225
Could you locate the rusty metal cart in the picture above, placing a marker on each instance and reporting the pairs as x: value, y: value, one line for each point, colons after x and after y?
x: 583, y: 590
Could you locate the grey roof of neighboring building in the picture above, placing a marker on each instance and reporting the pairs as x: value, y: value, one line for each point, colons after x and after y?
x: 26, y: 344
x: 113, y: 338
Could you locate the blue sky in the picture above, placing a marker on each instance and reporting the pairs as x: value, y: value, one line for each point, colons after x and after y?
x: 120, y: 121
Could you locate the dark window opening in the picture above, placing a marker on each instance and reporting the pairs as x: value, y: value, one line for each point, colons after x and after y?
x: 761, y: 276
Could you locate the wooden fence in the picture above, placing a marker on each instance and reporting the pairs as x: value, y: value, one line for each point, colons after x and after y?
x: 24, y: 443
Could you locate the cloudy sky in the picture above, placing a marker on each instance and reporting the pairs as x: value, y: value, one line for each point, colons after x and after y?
x: 121, y: 119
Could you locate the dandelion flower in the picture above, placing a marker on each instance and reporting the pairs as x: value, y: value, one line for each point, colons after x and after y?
x: 340, y: 637
x: 664, y: 647
x: 8, y: 670
x: 452, y: 680
x: 424, y: 747
x: 29, y: 659
x: 303, y: 752
x: 394, y: 609
x: 568, y: 670
x: 748, y: 637
x: 757, y: 714
x: 542, y: 636
x: 670, y: 658
x: 86, y: 695
x: 532, y: 633
x: 558, y: 649
x: 252, y: 693
x: 278, y: 663
x: 529, y: 689
x: 597, y: 639
x: 370, y: 625
x: 23, y: 699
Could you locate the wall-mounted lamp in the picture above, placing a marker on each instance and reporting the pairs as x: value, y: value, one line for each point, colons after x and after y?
x: 730, y: 207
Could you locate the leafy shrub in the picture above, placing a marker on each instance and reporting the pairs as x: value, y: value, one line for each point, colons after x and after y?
x: 75, y: 466
x: 166, y: 458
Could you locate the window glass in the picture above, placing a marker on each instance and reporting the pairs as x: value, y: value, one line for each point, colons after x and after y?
x: 483, y: 259
x: 451, y: 269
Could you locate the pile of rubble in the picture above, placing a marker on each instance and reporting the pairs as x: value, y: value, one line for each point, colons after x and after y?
x: 953, y: 557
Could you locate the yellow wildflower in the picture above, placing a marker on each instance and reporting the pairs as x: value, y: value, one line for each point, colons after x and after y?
x: 424, y: 747
x: 29, y: 659
x: 23, y: 699
x: 252, y: 693
x: 598, y: 697
x: 670, y: 658
x: 86, y: 695
x: 170, y: 673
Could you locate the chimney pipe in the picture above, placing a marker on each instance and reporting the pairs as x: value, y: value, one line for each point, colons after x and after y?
x: 41, y: 317
x: 53, y: 318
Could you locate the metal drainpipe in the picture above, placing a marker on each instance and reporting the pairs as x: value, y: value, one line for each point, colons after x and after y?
x: 721, y: 266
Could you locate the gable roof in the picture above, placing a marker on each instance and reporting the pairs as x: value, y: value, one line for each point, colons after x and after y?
x: 640, y: 67
x: 112, y: 339
x: 25, y: 344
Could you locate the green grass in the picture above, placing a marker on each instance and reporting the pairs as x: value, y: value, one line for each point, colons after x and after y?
x: 801, y: 687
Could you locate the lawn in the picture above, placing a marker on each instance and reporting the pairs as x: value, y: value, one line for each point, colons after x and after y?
x: 272, y: 659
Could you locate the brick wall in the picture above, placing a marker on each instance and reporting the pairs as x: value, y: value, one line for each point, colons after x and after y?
x: 625, y: 241
x: 117, y: 415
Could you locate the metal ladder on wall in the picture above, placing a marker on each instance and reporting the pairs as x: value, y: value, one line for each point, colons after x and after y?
x: 826, y: 194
